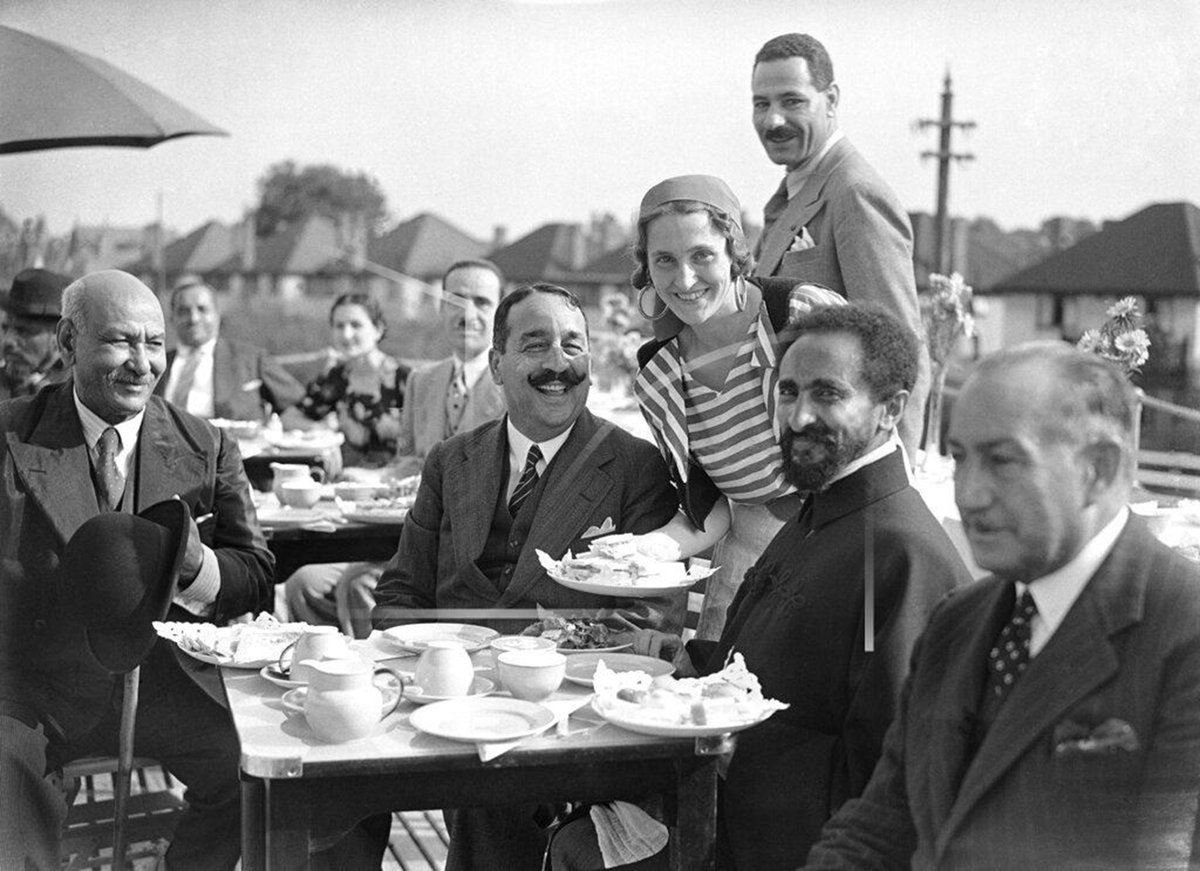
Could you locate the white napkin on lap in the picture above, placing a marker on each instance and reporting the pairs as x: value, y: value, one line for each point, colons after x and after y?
x: 626, y: 833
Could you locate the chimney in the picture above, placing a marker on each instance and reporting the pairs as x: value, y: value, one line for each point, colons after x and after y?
x: 499, y: 237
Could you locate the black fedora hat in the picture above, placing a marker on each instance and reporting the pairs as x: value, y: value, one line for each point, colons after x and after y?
x: 117, y: 576
x: 36, y: 293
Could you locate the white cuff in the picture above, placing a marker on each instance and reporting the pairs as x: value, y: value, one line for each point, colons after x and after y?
x: 198, y: 598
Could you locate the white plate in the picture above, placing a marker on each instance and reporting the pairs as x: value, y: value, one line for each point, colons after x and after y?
x: 288, y: 517
x: 416, y: 636
x: 580, y: 669
x: 476, y: 720
x: 625, y: 591
x: 376, y: 515
x: 223, y: 637
x: 575, y: 651
x: 293, y: 700
x: 480, y: 687
x: 661, y: 730
x: 299, y: 440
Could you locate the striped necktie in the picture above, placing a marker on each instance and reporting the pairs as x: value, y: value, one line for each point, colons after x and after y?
x: 529, y: 479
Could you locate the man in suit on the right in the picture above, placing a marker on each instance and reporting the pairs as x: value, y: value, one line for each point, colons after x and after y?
x: 833, y: 221
x: 1051, y: 717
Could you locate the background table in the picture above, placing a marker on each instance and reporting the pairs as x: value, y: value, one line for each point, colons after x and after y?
x: 350, y: 542
x: 296, y: 787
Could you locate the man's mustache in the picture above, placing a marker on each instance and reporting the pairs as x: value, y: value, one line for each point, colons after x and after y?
x: 814, y: 433
x: 568, y: 377
x: 781, y: 134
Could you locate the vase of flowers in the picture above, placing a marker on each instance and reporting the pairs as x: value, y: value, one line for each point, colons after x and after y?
x: 946, y: 316
x: 1122, y: 341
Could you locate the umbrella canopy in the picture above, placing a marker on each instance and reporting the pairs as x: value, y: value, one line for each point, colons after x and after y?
x: 56, y: 97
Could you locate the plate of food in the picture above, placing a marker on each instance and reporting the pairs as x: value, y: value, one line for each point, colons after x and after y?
x: 482, y: 719
x: 717, y: 704
x: 581, y: 669
x: 238, y: 645
x: 415, y: 637
x: 579, y: 634
x: 612, y: 566
x: 379, y: 509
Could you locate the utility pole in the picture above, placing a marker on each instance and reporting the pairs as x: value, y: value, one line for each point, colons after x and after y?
x: 944, y: 155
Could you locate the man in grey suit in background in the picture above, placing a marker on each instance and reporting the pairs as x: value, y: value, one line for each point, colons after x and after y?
x: 834, y: 221
x: 1051, y: 718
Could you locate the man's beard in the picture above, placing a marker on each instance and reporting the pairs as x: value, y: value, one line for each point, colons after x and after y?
x: 837, y: 454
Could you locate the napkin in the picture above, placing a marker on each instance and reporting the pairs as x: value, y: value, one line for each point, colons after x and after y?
x: 626, y: 833
x: 561, y: 708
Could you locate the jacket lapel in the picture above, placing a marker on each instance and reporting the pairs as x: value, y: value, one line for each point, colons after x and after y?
x: 575, y: 483
x: 1077, y: 659
x: 54, y: 464
x: 800, y: 210
x: 437, y: 386
x: 484, y: 402
x: 164, y: 459
x: 472, y: 487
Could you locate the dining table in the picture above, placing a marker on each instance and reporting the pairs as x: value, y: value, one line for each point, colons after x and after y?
x: 298, y: 789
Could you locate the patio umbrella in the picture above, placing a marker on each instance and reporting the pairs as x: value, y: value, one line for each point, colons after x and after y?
x: 56, y: 97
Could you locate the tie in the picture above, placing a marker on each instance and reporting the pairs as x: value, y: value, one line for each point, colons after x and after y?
x: 109, y: 483
x: 187, y: 377
x: 529, y: 479
x: 1009, y: 657
x: 456, y: 400
x: 775, y: 207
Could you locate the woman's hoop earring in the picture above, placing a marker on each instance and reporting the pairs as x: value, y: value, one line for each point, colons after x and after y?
x: 641, y: 304
x: 739, y: 294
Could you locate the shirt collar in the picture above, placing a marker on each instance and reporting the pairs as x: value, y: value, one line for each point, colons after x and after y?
x: 472, y: 369
x: 518, y: 446
x: 798, y: 176
x: 872, y: 456
x: 202, y: 350
x: 94, y: 425
x: 1055, y: 593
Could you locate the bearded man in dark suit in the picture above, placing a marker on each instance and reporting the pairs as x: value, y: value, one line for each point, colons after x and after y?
x: 1051, y: 718
x: 101, y: 442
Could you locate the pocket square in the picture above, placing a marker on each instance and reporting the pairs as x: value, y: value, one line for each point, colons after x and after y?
x: 603, y: 529
x: 253, y: 384
x: 802, y: 241
x: 1111, y: 736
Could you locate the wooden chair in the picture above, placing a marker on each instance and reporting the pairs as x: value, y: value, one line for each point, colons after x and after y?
x: 95, y: 824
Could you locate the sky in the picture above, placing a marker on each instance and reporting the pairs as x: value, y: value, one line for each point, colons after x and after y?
x: 516, y: 113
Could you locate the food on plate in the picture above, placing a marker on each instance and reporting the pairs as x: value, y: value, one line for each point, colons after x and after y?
x: 615, y: 559
x: 730, y: 697
x: 262, y: 639
x: 383, y: 504
x: 580, y: 633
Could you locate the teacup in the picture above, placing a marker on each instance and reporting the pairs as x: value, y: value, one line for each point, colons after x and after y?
x: 343, y: 702
x: 531, y: 675
x: 294, y: 472
x: 444, y: 669
x: 317, y: 644
x: 300, y: 493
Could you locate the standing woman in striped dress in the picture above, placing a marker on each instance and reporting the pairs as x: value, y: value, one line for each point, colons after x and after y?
x: 706, y: 384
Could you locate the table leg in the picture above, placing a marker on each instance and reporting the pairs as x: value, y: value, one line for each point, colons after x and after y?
x: 286, y: 819
x: 693, y: 842
x: 253, y: 825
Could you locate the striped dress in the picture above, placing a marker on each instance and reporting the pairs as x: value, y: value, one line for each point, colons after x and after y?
x: 731, y: 433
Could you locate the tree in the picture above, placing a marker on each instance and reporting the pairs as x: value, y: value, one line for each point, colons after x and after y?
x: 288, y: 194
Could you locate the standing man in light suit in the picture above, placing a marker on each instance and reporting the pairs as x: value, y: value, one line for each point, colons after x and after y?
x: 1051, y: 716
x: 215, y: 377
x: 833, y: 221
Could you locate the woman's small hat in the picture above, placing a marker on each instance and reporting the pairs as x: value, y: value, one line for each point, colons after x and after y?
x: 707, y: 189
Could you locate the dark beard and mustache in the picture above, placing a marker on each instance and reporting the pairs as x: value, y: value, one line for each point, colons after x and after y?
x: 837, y: 454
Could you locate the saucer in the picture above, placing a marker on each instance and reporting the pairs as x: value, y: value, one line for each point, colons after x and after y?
x: 293, y: 700
x: 480, y: 687
x: 275, y: 676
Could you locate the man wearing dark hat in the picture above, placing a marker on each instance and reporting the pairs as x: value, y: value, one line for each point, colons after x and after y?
x: 834, y: 221
x: 100, y: 442
x: 29, y: 349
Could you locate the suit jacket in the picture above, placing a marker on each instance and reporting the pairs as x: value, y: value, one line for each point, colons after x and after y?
x: 798, y: 619
x: 423, y: 419
x: 245, y: 378
x: 862, y: 248
x: 1035, y: 795
x: 600, y: 473
x: 47, y: 493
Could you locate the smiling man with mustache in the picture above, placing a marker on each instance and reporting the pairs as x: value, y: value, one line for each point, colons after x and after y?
x: 537, y: 479
x: 833, y: 221
x: 101, y: 442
